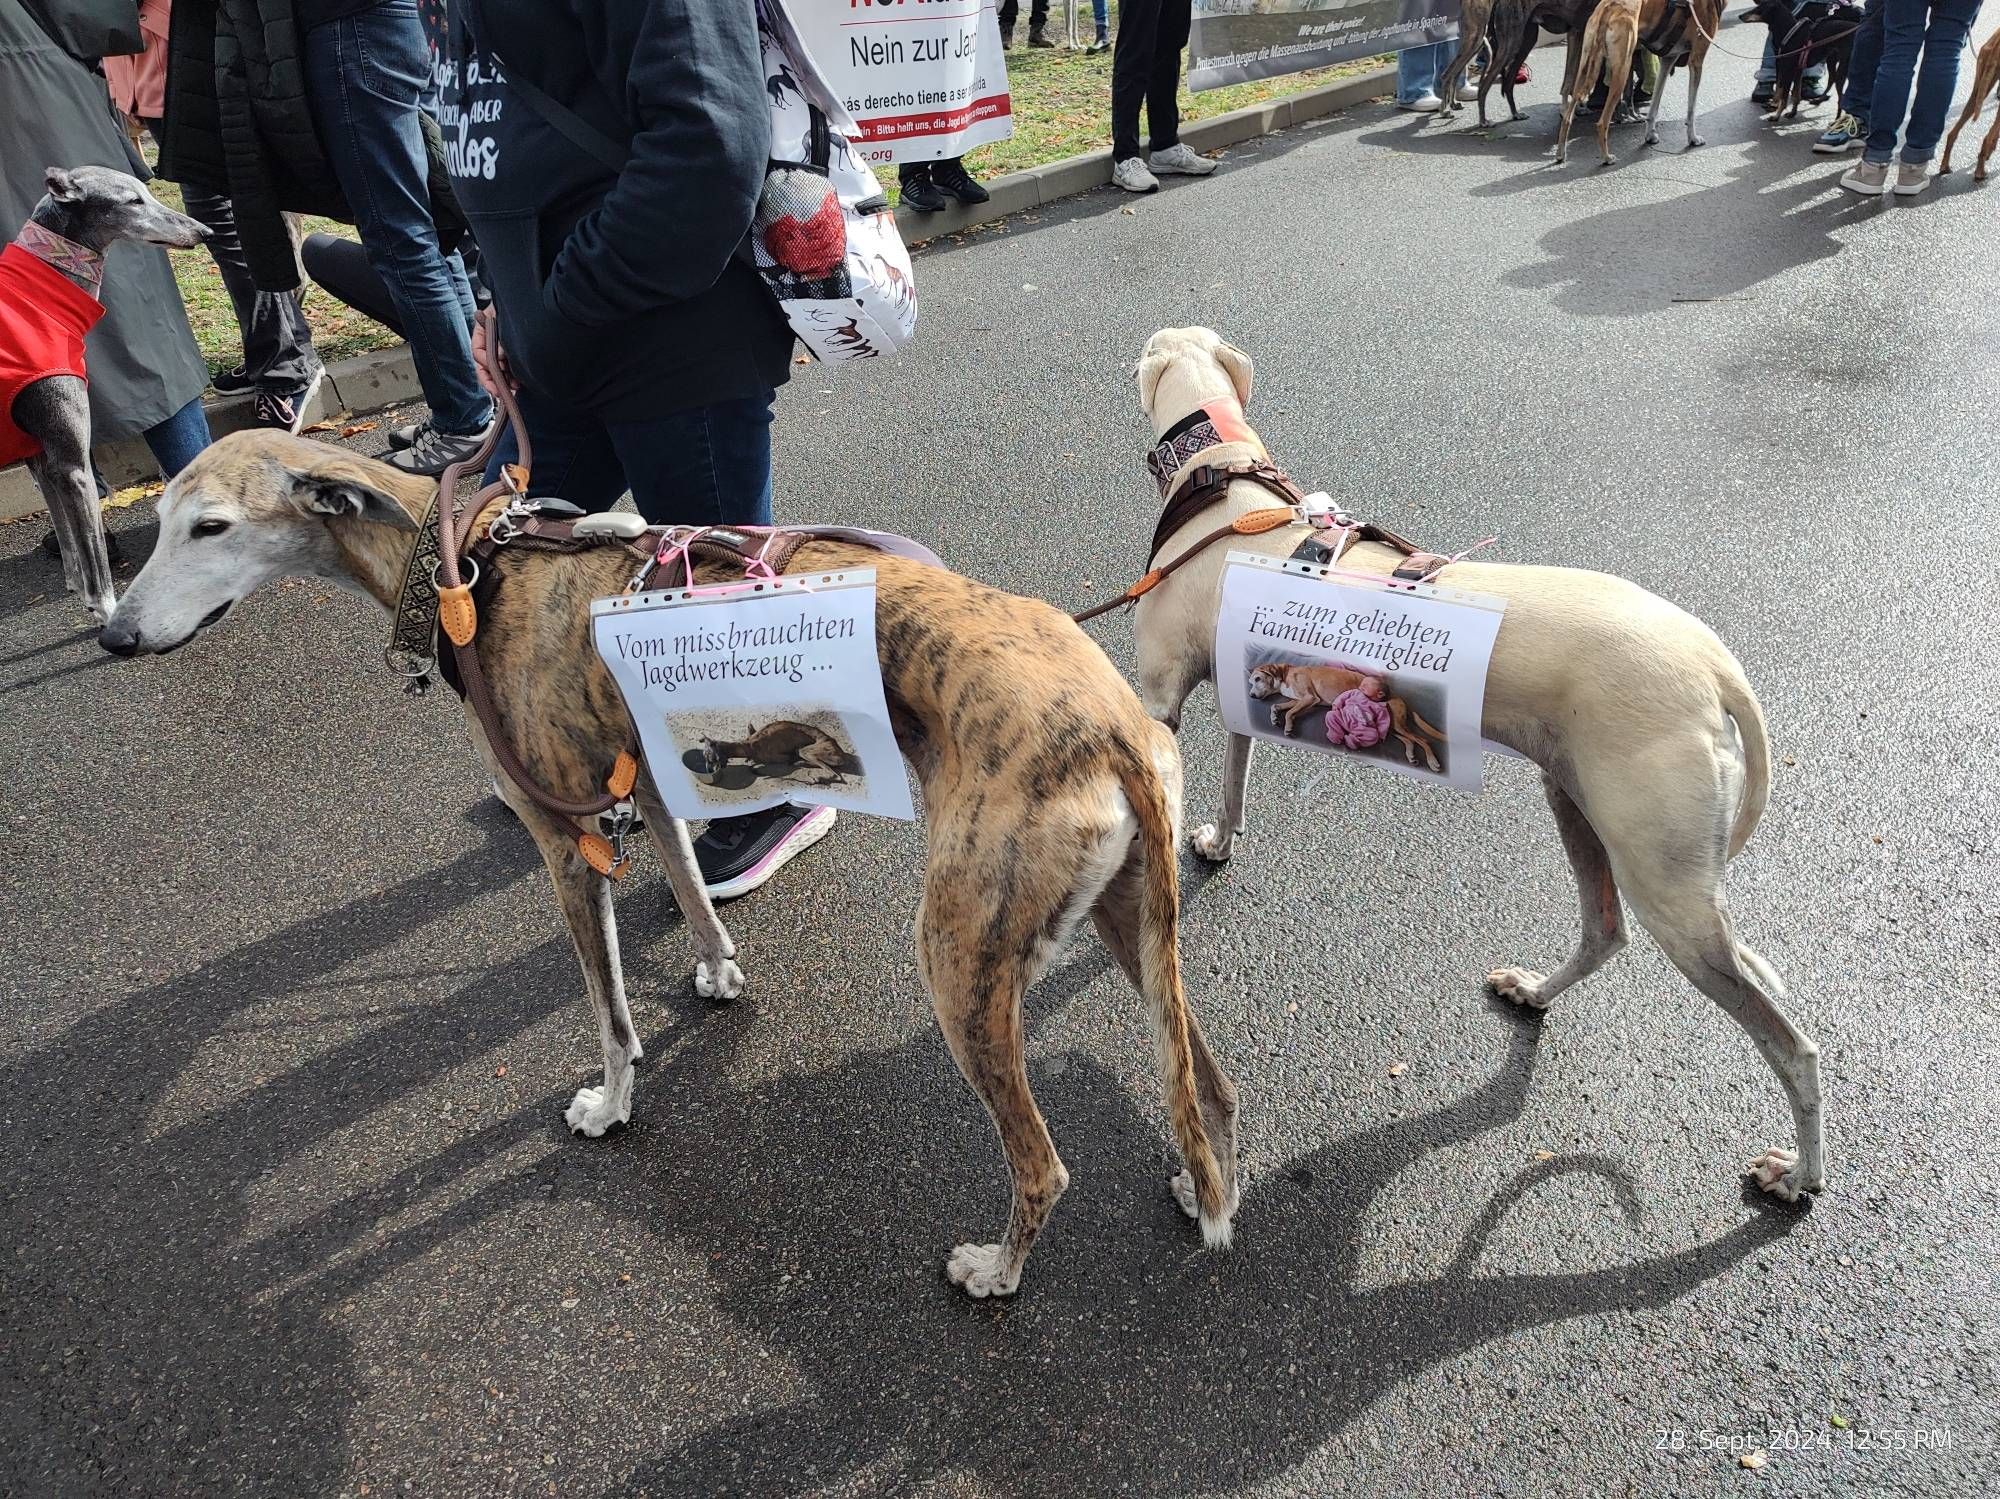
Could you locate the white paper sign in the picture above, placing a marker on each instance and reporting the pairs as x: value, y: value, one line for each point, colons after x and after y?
x: 922, y: 80
x: 757, y: 694
x: 1390, y: 673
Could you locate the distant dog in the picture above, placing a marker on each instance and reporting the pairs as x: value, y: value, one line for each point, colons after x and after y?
x: 1651, y: 743
x: 1804, y: 35
x: 50, y: 279
x: 1676, y: 31
x: 1982, y: 85
x: 1049, y: 794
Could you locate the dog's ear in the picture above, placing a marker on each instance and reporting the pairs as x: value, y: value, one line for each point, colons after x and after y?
x: 1152, y: 365
x: 62, y: 185
x: 1240, y: 368
x: 345, y: 490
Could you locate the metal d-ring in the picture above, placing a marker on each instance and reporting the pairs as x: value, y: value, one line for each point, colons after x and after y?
x: 471, y: 582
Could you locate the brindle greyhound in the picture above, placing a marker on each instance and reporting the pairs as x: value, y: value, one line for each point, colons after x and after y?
x: 1050, y: 794
x: 85, y: 211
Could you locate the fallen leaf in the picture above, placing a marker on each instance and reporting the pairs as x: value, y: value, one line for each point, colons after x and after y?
x: 1790, y: 761
x: 1838, y: 1420
x: 1878, y: 837
x: 625, y: 1278
x: 569, y: 1302
x: 320, y: 427
x: 356, y: 428
x: 1129, y: 211
x: 1545, y: 1155
x: 803, y: 359
x: 1397, y: 1069
x: 1754, y: 1460
x: 501, y: 1070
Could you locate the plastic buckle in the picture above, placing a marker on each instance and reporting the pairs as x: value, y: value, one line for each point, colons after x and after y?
x: 1319, y: 511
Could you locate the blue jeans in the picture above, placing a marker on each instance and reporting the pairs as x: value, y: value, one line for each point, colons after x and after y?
x: 1863, y: 64
x: 365, y: 74
x: 176, y: 440
x: 1417, y: 69
x: 1909, y: 27
x: 707, y: 466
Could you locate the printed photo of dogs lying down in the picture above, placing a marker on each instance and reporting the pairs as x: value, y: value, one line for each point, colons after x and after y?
x: 733, y: 752
x: 1349, y: 707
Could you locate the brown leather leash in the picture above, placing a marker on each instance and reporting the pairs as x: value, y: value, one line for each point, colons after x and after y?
x: 1208, y: 484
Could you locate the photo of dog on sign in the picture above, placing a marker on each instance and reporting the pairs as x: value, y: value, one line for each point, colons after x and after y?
x: 1346, y: 707
x: 743, y: 756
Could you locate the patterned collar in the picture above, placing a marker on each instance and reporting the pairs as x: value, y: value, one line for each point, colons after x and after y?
x: 81, y: 264
x: 1205, y: 427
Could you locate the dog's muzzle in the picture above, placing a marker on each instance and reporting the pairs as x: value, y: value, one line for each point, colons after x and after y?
x: 124, y: 640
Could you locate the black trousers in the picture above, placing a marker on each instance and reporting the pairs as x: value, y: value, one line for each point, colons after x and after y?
x: 1146, y: 68
x: 1038, y: 12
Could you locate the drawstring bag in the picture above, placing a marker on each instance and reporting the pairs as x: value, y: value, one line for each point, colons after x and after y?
x: 824, y: 239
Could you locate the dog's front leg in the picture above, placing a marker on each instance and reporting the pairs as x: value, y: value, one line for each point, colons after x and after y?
x: 1216, y: 841
x: 716, y: 975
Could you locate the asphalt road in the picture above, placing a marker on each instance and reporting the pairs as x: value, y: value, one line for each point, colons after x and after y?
x: 290, y: 1020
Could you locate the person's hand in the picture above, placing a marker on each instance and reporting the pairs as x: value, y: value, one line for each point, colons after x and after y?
x: 482, y: 340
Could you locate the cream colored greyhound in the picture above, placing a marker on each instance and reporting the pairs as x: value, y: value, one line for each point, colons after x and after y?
x: 1650, y: 741
x: 1048, y: 793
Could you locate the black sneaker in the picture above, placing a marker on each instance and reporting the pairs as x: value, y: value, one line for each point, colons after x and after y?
x: 406, y: 435
x: 924, y: 195
x: 1763, y: 93
x: 236, y: 382
x: 433, y: 452
x: 285, y: 410
x: 1102, y: 44
x: 954, y: 179
x: 737, y: 854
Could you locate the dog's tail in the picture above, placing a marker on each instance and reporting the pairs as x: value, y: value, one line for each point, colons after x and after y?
x: 1160, y: 978
x: 1430, y: 729
x: 1741, y: 704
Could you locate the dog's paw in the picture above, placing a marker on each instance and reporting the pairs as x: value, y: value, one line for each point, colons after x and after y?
x: 1522, y: 986
x: 720, y: 980
x: 979, y: 1271
x: 595, y: 1110
x: 1181, y: 1184
x: 1212, y: 843
x: 1697, y: 140
x: 1776, y: 1171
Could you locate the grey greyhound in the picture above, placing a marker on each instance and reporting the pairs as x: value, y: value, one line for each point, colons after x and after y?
x: 51, y: 291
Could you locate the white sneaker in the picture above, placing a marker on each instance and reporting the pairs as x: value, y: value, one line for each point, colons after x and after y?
x: 1912, y: 177
x: 1179, y: 158
x: 1868, y: 178
x: 1426, y: 103
x: 1131, y: 174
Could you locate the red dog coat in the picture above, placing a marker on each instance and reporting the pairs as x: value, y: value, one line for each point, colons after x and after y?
x: 43, y: 318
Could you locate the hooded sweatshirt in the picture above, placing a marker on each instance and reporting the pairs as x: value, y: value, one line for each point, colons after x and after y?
x: 620, y: 290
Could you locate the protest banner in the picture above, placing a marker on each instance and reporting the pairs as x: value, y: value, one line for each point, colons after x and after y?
x: 755, y: 694
x: 1392, y: 673
x: 1235, y: 41
x: 924, y: 79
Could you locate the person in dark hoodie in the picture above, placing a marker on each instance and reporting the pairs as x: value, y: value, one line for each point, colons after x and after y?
x: 609, y: 155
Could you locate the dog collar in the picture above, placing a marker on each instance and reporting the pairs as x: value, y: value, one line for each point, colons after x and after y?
x: 1207, y: 426
x: 78, y: 262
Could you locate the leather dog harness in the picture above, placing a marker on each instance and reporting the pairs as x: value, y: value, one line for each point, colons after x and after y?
x: 1208, y: 484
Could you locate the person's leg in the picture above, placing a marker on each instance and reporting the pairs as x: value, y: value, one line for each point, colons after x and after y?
x: 1009, y: 9
x: 1903, y: 24
x: 1163, y: 103
x: 1864, y: 62
x: 573, y: 455
x: 176, y: 441
x: 710, y: 466
x: 339, y: 265
x: 1131, y: 73
x: 1417, y: 70
x: 1944, y: 44
x: 1100, y: 12
x: 364, y: 75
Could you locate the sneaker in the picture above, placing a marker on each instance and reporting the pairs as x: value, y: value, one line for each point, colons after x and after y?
x: 406, y: 435
x: 433, y: 452
x: 1131, y: 174
x: 1426, y: 103
x: 1843, y: 135
x: 1868, y: 178
x: 1038, y: 36
x: 737, y: 854
x: 285, y: 410
x: 954, y: 179
x: 1102, y: 44
x: 236, y: 382
x: 1468, y: 91
x: 1179, y: 158
x: 924, y: 195
x: 1912, y: 177
x: 1815, y: 90
x: 1763, y: 93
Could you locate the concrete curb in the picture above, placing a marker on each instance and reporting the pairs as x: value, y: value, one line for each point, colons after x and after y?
x: 1018, y: 192
x: 386, y: 377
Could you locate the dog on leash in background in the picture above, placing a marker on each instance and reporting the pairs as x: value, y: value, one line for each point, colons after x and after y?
x: 1049, y: 795
x: 1650, y: 741
x: 50, y: 277
x: 1803, y: 36
x: 1982, y: 85
x: 1613, y: 36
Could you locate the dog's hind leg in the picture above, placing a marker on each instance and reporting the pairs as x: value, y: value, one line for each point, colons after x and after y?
x: 1668, y: 854
x: 1216, y: 841
x: 1603, y: 913
x: 716, y: 974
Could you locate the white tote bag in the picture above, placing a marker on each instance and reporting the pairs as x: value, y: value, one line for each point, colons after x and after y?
x: 825, y: 240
